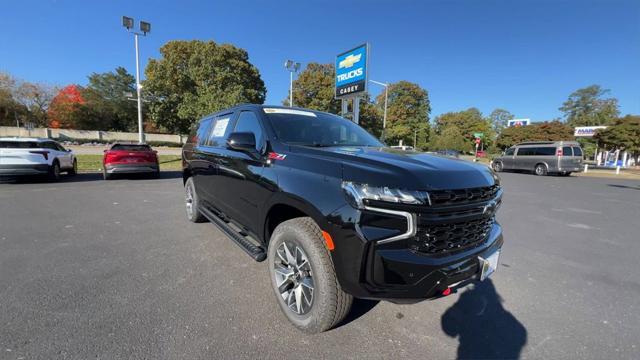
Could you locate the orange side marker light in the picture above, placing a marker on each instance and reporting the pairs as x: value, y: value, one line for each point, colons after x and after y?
x: 328, y: 240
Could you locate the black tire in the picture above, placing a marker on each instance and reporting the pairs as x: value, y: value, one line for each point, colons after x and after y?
x: 193, y: 214
x: 106, y: 175
x: 540, y: 170
x: 156, y: 174
x: 54, y: 171
x: 74, y: 168
x: 497, y: 166
x: 330, y: 304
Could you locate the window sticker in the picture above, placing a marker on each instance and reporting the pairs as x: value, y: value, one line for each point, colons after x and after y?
x: 288, y: 111
x: 220, y: 128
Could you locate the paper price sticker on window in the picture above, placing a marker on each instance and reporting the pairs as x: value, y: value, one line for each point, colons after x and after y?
x: 220, y: 128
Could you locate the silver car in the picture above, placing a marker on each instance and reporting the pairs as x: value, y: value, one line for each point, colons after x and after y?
x: 543, y: 157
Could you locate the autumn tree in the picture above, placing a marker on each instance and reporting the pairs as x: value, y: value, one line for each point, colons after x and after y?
x: 589, y: 107
x: 68, y: 111
x: 546, y: 131
x: 314, y: 89
x: 195, y: 78
x: 408, y: 110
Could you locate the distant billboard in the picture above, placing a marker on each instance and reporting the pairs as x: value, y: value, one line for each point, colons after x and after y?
x: 518, y: 122
x: 586, y: 131
x: 351, y: 72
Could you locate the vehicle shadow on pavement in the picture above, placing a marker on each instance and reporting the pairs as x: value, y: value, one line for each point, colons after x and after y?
x: 625, y: 186
x: 358, y: 309
x: 485, y: 330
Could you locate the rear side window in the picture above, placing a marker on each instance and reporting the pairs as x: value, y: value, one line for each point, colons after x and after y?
x: 19, y: 145
x: 566, y: 151
x: 248, y: 122
x: 577, y: 151
x: 545, y: 151
x: 203, y: 131
x: 524, y: 151
x: 131, y: 147
x: 219, y: 130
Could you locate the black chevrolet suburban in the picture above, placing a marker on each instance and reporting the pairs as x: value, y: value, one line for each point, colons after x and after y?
x: 336, y: 213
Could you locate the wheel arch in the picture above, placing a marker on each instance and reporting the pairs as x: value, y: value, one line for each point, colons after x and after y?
x: 283, y: 208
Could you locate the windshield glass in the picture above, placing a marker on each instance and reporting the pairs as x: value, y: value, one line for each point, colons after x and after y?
x: 318, y: 129
x: 131, y: 147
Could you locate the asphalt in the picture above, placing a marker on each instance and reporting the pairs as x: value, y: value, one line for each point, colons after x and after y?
x: 109, y: 270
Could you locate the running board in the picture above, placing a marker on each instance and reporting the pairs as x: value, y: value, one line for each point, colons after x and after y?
x: 256, y: 252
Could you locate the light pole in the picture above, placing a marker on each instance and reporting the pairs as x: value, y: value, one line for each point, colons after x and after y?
x: 145, y: 27
x: 292, y: 66
x: 386, y: 90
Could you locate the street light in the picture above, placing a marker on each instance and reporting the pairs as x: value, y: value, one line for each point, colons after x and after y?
x: 384, y: 118
x: 292, y: 66
x: 145, y: 28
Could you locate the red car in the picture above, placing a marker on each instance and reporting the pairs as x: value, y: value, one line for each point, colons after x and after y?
x: 130, y: 159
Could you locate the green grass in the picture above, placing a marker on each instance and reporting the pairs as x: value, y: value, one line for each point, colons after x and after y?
x: 91, y: 163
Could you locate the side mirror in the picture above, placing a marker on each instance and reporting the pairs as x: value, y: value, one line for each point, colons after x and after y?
x: 242, y: 141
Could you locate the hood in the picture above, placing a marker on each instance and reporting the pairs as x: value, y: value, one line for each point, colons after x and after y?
x: 403, y: 169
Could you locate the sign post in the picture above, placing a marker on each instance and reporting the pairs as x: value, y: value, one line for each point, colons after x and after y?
x: 352, y: 78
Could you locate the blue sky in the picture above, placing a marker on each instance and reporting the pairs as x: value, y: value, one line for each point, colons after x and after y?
x: 525, y: 56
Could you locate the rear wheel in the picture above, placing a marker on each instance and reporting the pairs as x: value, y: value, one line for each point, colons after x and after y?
x: 540, y: 170
x: 303, y: 277
x: 192, y: 202
x: 54, y: 171
x: 74, y: 168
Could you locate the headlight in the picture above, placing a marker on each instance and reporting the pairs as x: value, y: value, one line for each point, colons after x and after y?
x: 357, y: 193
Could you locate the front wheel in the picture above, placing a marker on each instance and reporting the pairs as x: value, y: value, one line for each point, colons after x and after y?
x: 74, y: 168
x: 497, y: 166
x: 54, y: 171
x: 303, y: 277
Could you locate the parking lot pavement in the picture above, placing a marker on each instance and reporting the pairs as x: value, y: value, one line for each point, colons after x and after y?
x: 95, y: 269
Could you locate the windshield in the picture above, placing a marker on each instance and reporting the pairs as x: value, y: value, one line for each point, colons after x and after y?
x: 318, y: 129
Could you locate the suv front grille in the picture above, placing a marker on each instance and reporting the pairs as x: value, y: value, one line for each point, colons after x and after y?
x: 462, y: 196
x: 451, y: 237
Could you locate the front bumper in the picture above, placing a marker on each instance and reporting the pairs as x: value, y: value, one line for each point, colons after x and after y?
x: 23, y: 170
x: 131, y: 168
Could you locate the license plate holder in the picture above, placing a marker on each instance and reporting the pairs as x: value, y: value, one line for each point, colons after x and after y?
x: 489, y: 264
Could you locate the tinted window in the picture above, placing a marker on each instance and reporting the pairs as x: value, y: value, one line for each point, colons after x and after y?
x: 219, y: 130
x: 203, y: 131
x: 19, y: 145
x: 248, y: 122
x: 524, y: 151
x: 566, y: 151
x: 131, y: 147
x: 49, y: 145
x: 577, y: 151
x: 545, y: 151
x: 317, y: 129
x: 509, y: 151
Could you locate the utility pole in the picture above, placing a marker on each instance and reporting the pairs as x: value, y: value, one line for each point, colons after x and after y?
x: 386, y: 93
x: 145, y: 27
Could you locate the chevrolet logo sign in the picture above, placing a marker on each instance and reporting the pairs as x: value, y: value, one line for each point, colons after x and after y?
x: 349, y: 61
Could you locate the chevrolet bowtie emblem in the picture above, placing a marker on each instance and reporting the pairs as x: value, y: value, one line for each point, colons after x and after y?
x: 349, y: 61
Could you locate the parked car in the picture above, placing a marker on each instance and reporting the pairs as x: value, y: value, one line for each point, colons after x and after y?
x: 130, y: 159
x: 35, y: 156
x: 338, y: 215
x: 542, y: 158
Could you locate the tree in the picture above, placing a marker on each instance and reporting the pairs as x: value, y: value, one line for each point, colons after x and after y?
x: 195, y: 78
x: 68, y: 111
x: 23, y: 101
x: 468, y: 122
x: 499, y: 119
x: 546, y: 131
x: 314, y: 89
x: 451, y: 138
x: 624, y: 134
x: 9, y: 107
x: 588, y: 107
x: 106, y: 97
x: 408, y: 110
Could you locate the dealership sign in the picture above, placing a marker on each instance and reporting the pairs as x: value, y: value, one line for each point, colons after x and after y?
x: 518, y: 122
x: 586, y: 131
x: 351, y: 72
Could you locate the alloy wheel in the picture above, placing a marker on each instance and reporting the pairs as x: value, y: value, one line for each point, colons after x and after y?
x: 294, y: 278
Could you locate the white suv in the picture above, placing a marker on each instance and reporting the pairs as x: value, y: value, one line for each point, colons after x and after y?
x: 33, y: 156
